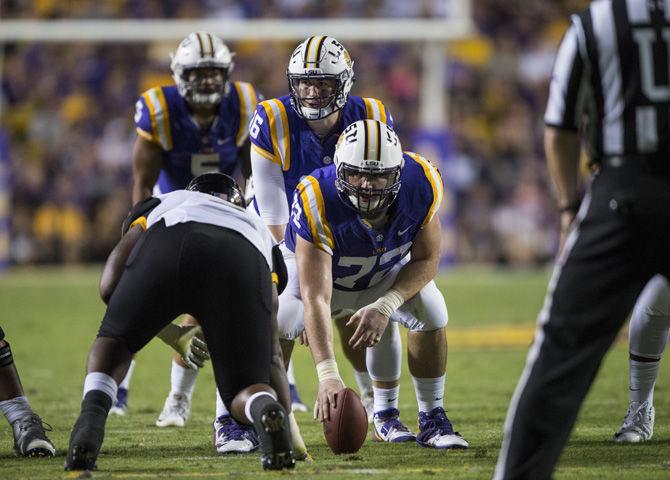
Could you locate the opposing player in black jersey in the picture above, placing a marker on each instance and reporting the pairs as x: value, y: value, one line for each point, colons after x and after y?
x: 193, y: 251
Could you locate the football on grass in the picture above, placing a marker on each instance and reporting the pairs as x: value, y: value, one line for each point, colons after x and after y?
x: 347, y: 428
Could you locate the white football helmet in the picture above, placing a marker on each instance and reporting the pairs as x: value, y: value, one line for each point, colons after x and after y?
x: 201, y: 50
x: 320, y: 58
x: 369, y: 160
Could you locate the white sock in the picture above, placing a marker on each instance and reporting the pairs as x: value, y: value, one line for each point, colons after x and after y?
x: 125, y: 383
x: 642, y: 380
x: 363, y: 381
x: 429, y: 392
x: 182, y: 380
x: 100, y: 381
x: 290, y: 374
x: 386, y: 397
x: 15, y: 408
x: 221, y: 409
x: 252, y: 398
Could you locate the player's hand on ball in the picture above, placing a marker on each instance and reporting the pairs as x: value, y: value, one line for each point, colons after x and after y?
x: 326, y: 397
x: 370, y: 325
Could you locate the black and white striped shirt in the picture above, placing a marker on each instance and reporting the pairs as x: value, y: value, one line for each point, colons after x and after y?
x: 614, y: 64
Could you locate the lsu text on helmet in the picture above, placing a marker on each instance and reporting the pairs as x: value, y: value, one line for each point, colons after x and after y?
x: 220, y: 185
x: 320, y: 75
x: 369, y: 159
x: 201, y: 66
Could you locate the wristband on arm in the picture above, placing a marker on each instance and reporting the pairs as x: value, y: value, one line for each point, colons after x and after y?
x: 388, y: 303
x: 327, y: 370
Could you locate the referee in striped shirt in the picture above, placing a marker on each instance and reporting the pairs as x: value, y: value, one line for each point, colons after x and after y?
x: 611, y: 85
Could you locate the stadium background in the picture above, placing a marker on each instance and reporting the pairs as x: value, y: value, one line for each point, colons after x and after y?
x: 66, y: 133
x: 66, y: 124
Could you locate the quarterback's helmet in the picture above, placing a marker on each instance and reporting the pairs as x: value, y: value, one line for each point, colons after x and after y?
x: 369, y: 160
x: 201, y: 50
x: 320, y: 59
x: 220, y: 185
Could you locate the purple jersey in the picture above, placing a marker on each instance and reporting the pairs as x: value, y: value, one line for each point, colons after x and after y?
x: 362, y: 255
x: 162, y: 118
x: 280, y: 135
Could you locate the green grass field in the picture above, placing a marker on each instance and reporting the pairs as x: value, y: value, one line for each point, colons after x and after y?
x: 51, y: 317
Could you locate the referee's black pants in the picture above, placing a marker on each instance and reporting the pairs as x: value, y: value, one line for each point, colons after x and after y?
x: 620, y: 240
x: 216, y: 275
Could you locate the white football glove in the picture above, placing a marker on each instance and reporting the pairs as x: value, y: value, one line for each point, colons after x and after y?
x: 185, y: 340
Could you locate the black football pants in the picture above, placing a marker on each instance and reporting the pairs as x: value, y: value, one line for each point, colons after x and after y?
x: 212, y: 273
x: 621, y: 239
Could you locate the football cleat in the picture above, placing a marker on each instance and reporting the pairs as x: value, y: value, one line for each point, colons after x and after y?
x: 638, y: 424
x: 276, y: 438
x: 30, y: 438
x: 367, y: 397
x: 85, y: 441
x: 120, y: 404
x: 436, y: 431
x: 387, y: 427
x: 296, y: 402
x: 80, y: 457
x: 233, y: 437
x: 175, y: 411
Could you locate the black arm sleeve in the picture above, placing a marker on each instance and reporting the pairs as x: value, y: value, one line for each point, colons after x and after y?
x: 279, y: 268
x: 141, y: 209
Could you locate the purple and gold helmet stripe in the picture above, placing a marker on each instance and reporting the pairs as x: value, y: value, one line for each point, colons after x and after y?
x: 379, y: 141
x: 372, y: 140
x: 313, y: 50
x: 211, y: 45
x: 318, y: 50
x: 306, y: 57
x: 202, y: 48
x: 366, y: 144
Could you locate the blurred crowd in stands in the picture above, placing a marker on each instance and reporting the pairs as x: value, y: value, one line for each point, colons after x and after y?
x: 67, y: 112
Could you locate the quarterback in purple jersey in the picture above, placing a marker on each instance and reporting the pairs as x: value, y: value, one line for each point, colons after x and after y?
x: 295, y: 134
x: 352, y: 227
x: 198, y: 125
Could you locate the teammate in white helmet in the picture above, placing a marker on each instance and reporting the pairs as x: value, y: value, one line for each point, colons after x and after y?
x: 199, y: 124
x: 295, y: 134
x: 353, y: 226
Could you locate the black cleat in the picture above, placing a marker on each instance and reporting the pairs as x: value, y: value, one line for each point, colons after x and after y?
x: 276, y: 440
x: 30, y: 438
x: 81, y: 457
x: 85, y: 441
